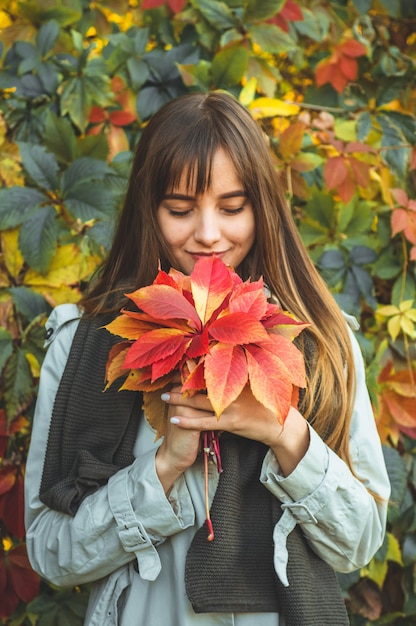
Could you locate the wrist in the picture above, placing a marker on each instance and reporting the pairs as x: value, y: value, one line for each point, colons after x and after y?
x: 293, y: 442
x: 165, y: 470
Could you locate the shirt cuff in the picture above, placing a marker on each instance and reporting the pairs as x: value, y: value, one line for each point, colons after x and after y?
x: 305, y: 478
x: 144, y: 515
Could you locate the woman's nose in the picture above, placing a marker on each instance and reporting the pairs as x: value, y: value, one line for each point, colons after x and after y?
x: 207, y: 230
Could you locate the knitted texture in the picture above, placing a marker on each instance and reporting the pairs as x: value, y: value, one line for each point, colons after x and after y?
x: 235, y: 571
x: 91, y: 434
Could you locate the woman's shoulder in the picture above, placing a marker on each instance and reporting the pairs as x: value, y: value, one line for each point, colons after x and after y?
x: 63, y: 316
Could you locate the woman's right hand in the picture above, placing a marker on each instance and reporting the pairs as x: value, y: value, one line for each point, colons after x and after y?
x: 180, y: 447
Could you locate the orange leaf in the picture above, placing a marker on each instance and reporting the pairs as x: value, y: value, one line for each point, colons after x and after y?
x: 290, y: 141
x: 155, y: 410
x: 237, y: 328
x: 164, y: 303
x: 24, y: 580
x: 211, y: 283
x: 121, y: 118
x: 269, y: 381
x: 129, y: 326
x: 348, y: 67
x: 155, y: 345
x: 225, y: 374
x: 353, y: 48
x: 289, y: 354
x: 361, y: 171
x: 114, y: 366
x: 249, y: 298
x: 335, y: 172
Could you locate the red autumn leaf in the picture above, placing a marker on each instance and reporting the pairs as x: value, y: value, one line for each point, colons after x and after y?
x: 130, y: 326
x: 155, y: 345
x: 287, y: 352
x: 175, y: 5
x: 164, y: 303
x: 225, y: 374
x: 167, y: 364
x: 237, y: 328
x: 17, y: 580
x: 353, y: 48
x: 361, y: 171
x: 335, y: 171
x: 348, y: 67
x: 203, y: 336
x: 324, y: 72
x: 12, y: 506
x: 290, y: 12
x: 97, y: 115
x: 121, y: 118
x: 249, y: 298
x: 290, y: 141
x: 24, y: 580
x: 269, y: 380
x: 7, y: 478
x: 195, y: 381
x: 341, y: 67
x: 346, y: 190
x: 210, y: 283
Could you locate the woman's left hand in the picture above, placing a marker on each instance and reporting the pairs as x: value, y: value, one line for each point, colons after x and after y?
x: 248, y: 418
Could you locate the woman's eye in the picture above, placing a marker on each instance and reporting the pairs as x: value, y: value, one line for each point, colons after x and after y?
x: 178, y: 213
x: 233, y: 211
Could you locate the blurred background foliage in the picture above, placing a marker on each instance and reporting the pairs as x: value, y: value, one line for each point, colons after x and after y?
x: 333, y: 85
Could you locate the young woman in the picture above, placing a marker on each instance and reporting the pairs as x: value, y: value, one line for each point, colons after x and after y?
x: 106, y: 504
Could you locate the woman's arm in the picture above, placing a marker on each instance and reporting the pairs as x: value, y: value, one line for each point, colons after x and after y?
x: 121, y: 521
x: 343, y: 521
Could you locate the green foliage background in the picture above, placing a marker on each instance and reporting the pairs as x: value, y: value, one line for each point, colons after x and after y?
x: 80, y: 80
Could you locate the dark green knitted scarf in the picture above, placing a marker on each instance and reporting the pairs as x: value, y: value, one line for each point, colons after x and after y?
x: 92, y: 436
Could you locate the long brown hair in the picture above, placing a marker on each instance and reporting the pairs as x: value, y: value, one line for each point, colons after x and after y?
x: 184, y: 136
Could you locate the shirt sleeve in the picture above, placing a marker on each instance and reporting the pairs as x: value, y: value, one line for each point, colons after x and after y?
x: 342, y: 515
x: 123, y: 520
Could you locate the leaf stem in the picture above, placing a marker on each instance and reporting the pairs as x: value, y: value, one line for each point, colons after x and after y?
x: 207, y: 449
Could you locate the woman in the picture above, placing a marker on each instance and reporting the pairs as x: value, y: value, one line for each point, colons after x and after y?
x: 108, y: 505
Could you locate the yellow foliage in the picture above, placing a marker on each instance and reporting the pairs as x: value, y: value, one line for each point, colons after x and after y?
x: 377, y: 570
x: 12, y: 256
x: 34, y: 364
x: 10, y: 170
x: 248, y: 92
x: 272, y: 107
x: 61, y: 283
x: 402, y: 318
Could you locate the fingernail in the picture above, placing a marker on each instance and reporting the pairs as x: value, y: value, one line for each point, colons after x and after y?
x: 165, y: 396
x: 175, y: 420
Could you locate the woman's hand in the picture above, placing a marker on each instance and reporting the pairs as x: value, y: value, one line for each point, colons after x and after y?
x: 180, y: 446
x: 245, y: 417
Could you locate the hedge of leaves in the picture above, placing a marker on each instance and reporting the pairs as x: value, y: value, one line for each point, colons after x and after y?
x: 334, y: 85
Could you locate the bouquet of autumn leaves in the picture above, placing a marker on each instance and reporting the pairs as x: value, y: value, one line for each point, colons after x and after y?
x: 217, y: 334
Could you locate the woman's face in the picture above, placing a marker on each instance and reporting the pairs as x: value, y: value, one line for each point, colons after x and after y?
x: 219, y: 221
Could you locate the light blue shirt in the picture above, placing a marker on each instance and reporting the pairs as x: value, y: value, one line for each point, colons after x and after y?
x: 130, y: 540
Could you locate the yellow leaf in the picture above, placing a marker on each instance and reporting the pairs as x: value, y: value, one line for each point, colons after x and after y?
x: 407, y: 326
x: 388, y: 310
x: 376, y: 571
x: 272, y: 107
x: 394, y: 553
x: 34, y: 364
x: 405, y: 305
x: 346, y: 130
x: 248, y: 91
x: 393, y: 326
x: 411, y: 315
x: 13, y: 259
x: 68, y: 267
x: 5, y: 20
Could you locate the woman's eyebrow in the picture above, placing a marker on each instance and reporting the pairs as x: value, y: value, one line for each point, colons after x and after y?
x: 238, y: 193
